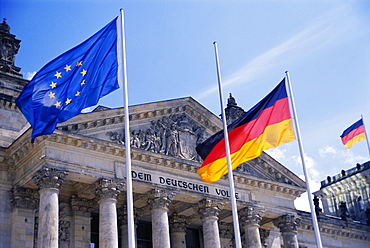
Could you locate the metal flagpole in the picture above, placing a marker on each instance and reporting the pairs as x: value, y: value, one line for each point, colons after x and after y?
x: 313, y: 213
x: 130, y: 208
x: 227, y: 147
x: 367, y: 140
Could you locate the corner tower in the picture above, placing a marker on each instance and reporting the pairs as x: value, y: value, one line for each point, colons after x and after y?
x: 12, y: 121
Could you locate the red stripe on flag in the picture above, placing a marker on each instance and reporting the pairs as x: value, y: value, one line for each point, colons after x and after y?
x: 352, y: 134
x: 251, y: 130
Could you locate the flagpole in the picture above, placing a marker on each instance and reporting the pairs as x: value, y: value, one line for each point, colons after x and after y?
x: 367, y: 140
x: 130, y: 208
x: 227, y: 147
x: 298, y: 134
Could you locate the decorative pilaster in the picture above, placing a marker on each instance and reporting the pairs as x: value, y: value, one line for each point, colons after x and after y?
x: 288, y: 225
x: 107, y: 191
x: 24, y: 202
x: 178, y: 225
x: 80, y: 226
x: 49, y: 181
x: 250, y: 218
x: 159, y: 202
x: 226, y: 234
x: 209, y: 209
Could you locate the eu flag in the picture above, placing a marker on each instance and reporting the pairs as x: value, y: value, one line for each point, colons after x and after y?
x: 75, y: 80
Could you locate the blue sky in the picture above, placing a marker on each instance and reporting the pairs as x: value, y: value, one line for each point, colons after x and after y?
x: 325, y: 45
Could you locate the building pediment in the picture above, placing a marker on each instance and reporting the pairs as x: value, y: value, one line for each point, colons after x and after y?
x: 171, y: 128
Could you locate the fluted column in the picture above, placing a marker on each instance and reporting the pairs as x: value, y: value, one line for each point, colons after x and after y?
x: 49, y: 181
x: 178, y: 225
x: 250, y: 218
x: 107, y: 191
x: 288, y: 225
x: 209, y: 210
x: 159, y: 202
x: 122, y: 222
x: 81, y: 221
x: 226, y: 234
x: 24, y: 202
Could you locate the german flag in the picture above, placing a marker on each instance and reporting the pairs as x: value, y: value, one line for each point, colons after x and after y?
x: 353, y: 134
x: 268, y: 124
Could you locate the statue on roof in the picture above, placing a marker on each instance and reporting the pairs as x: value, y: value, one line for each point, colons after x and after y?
x: 9, y: 46
x: 233, y: 111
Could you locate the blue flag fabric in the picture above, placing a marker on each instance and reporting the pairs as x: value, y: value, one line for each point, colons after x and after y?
x: 75, y: 80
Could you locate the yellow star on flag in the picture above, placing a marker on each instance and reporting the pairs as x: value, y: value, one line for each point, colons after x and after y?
x: 58, y: 74
x: 78, y: 93
x: 83, y: 82
x: 67, y: 67
x: 79, y: 63
x: 57, y: 104
x: 51, y: 95
x: 83, y: 72
x: 53, y: 85
x: 68, y: 101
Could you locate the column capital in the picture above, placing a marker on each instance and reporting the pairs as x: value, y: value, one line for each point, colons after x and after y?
x: 24, y: 198
x: 210, y: 208
x: 287, y: 223
x: 251, y: 215
x: 178, y: 223
x: 108, y: 189
x: 160, y: 199
x: 82, y: 206
x: 49, y: 178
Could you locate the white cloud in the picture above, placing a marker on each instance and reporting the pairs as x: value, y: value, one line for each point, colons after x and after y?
x: 302, y: 202
x: 327, y: 150
x: 323, y: 32
x: 277, y: 153
x: 345, y: 156
x: 29, y: 75
x: 88, y: 110
x: 310, y: 166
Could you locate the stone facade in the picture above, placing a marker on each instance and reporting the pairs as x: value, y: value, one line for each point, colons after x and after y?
x: 67, y: 189
x: 347, y: 195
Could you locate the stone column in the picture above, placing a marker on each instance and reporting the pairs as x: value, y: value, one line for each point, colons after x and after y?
x: 81, y: 221
x: 122, y: 221
x: 209, y: 210
x: 250, y: 218
x: 159, y: 201
x: 288, y: 225
x: 107, y: 191
x: 25, y: 202
x: 49, y: 181
x: 226, y: 234
x: 178, y: 225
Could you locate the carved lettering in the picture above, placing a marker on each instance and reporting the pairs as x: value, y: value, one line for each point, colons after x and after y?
x: 142, y: 176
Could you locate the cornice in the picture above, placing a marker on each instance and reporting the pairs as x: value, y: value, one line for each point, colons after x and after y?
x: 23, y: 149
x: 338, y: 229
x: 139, y: 113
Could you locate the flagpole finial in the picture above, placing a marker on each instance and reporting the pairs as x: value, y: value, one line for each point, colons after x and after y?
x: 215, y: 42
x: 286, y: 71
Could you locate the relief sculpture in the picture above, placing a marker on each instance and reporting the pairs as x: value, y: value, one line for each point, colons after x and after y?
x: 174, y: 135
